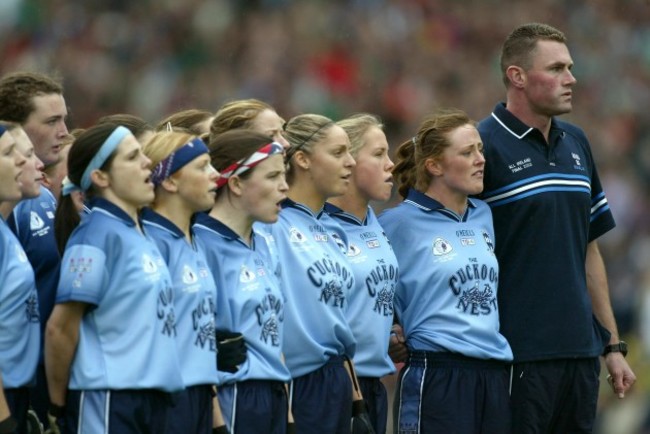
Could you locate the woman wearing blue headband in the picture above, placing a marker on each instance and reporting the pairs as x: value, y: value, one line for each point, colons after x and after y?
x: 249, y: 300
x: 110, y: 350
x: 186, y: 184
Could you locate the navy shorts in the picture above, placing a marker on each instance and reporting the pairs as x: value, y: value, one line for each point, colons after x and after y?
x: 451, y: 393
x: 555, y: 396
x: 374, y: 394
x: 254, y: 407
x: 143, y: 411
x: 192, y: 411
x: 321, y: 401
x: 39, y: 397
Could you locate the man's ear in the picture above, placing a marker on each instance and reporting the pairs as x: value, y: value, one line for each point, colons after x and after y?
x: 516, y: 75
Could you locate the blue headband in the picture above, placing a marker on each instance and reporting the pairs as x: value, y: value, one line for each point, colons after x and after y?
x: 2, y: 130
x: 177, y: 159
x: 107, y: 149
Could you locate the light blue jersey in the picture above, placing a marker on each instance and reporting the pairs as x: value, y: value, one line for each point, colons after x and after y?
x: 317, y: 280
x: 127, y: 335
x: 370, y: 311
x: 194, y: 298
x: 19, y: 320
x: 32, y: 220
x: 446, y: 295
x: 249, y: 299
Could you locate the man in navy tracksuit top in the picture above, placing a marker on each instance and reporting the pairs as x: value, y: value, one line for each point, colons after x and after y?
x: 549, y: 209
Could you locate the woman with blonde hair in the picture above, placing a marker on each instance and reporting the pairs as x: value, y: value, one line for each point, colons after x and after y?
x: 370, y: 312
x: 316, y: 276
x: 185, y: 184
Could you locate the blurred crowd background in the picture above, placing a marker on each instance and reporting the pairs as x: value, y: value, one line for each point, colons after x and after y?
x: 399, y: 59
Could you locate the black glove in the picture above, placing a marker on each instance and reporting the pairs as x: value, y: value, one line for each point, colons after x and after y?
x: 231, y: 350
x: 223, y: 429
x: 55, y: 415
x: 8, y: 426
x: 360, y: 419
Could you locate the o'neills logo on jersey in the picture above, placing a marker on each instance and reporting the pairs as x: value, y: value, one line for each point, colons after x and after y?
x: 269, y: 313
x: 472, y: 285
x: 165, y: 311
x: 331, y: 277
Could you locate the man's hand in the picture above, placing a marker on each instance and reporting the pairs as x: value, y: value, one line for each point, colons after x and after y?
x: 620, y: 377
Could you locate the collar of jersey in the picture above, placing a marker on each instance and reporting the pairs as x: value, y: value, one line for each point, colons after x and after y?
x: 109, y: 207
x: 427, y: 203
x: 288, y: 203
x: 151, y: 216
x: 205, y: 219
x: 334, y: 210
x: 516, y: 127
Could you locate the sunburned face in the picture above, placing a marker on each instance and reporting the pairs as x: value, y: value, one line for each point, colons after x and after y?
x: 549, y: 82
x: 461, y: 164
x: 11, y: 166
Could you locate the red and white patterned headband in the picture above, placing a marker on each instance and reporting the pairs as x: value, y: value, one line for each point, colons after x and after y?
x: 245, y: 164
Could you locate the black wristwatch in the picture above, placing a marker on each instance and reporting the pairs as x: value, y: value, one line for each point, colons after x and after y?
x: 620, y: 347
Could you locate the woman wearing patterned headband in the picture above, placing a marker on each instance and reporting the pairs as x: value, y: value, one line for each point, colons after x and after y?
x: 19, y: 317
x: 316, y: 276
x: 185, y: 183
x: 110, y: 350
x: 252, y: 185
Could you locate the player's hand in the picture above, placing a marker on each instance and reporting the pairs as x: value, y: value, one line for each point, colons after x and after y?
x: 360, y: 419
x: 397, y: 349
x: 231, y: 350
x: 620, y: 377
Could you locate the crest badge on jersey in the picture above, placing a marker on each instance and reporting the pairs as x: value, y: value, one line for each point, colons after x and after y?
x: 488, y: 241
x: 295, y: 236
x: 246, y: 275
x: 148, y: 264
x: 441, y: 247
x: 339, y: 242
x: 35, y: 221
x: 353, y: 250
x: 189, y: 276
